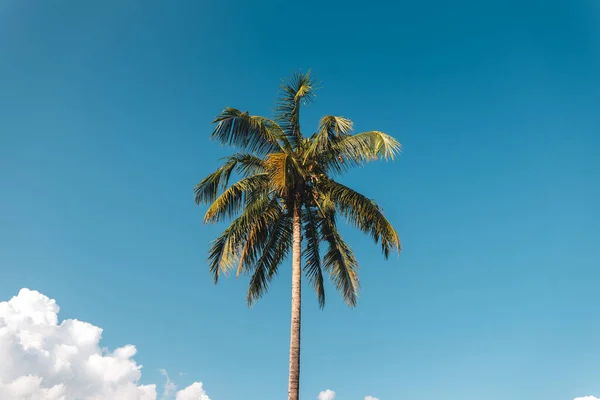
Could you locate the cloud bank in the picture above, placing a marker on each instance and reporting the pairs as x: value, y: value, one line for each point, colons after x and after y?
x: 45, y: 360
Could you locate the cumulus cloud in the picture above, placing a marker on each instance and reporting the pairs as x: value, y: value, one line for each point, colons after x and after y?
x: 326, y: 395
x: 193, y: 392
x: 371, y: 398
x: 45, y: 360
x: 587, y: 398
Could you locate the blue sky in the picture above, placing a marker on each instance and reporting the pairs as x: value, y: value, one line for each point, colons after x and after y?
x: 105, y: 114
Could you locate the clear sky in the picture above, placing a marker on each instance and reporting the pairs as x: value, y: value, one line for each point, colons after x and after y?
x: 105, y: 116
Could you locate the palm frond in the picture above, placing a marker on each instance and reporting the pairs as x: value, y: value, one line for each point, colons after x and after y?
x: 311, y: 254
x: 208, y: 189
x: 260, y: 236
x: 363, y: 213
x: 284, y: 172
x: 221, y: 254
x: 278, y: 168
x: 335, y: 126
x: 231, y: 201
x: 251, y: 133
x: 297, y: 91
x: 247, y: 164
x: 356, y: 150
x: 369, y: 146
x: 339, y: 261
x: 227, y: 249
x: 274, y: 252
x: 332, y: 129
x: 257, y: 238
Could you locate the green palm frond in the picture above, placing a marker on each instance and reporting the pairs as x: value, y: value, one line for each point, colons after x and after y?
x: 311, y: 254
x: 339, y: 261
x: 249, y: 132
x: 274, y: 253
x: 247, y: 164
x: 231, y: 201
x: 258, y: 238
x: 222, y: 254
x: 208, y: 189
x: 226, y: 250
x: 299, y: 90
x: 363, y: 213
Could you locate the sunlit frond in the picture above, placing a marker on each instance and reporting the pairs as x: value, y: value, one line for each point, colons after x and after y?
x: 297, y: 91
x: 369, y: 146
x: 231, y: 201
x: 363, y: 213
x: 220, y: 254
x: 332, y: 129
x: 358, y: 149
x: 227, y: 249
x: 335, y: 126
x: 208, y: 189
x: 284, y: 171
x: 252, y: 133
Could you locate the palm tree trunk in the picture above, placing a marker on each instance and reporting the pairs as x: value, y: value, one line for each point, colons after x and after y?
x: 294, y: 378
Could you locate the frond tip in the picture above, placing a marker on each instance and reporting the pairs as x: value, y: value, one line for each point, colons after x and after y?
x: 340, y: 263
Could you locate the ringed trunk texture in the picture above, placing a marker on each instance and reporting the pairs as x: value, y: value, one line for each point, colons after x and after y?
x: 294, y: 378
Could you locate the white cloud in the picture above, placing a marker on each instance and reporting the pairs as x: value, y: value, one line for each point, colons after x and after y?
x: 371, y: 398
x: 326, y: 395
x: 193, y: 392
x: 45, y: 360
x: 587, y: 398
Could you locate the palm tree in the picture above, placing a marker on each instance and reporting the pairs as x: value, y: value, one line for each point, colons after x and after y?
x: 286, y: 199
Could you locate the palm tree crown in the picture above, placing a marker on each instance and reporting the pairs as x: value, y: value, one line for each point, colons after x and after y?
x: 281, y: 174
